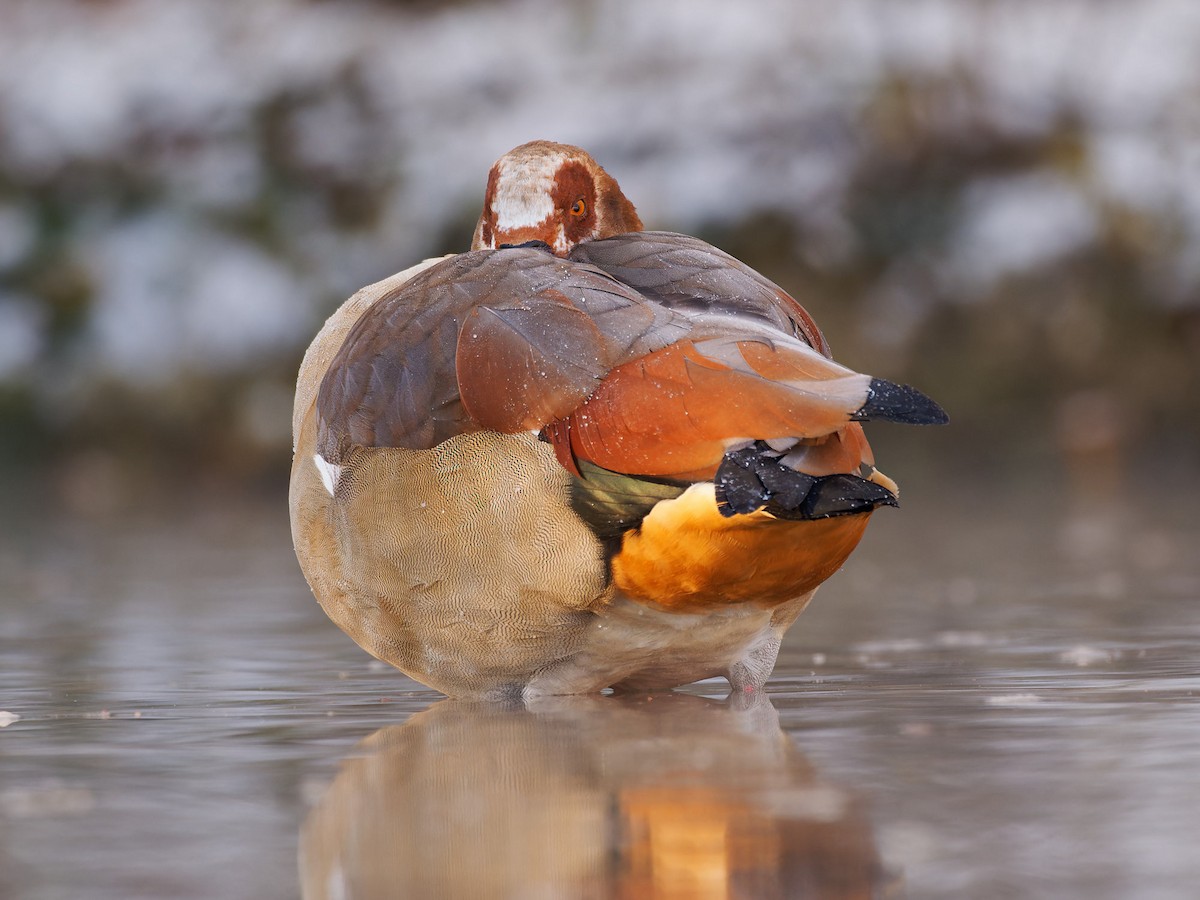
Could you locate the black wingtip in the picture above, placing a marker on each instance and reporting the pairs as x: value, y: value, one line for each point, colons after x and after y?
x: 893, y: 402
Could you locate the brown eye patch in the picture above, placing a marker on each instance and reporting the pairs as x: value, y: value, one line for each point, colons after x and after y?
x: 575, y: 192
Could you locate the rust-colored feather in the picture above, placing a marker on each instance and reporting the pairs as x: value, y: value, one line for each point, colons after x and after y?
x: 675, y: 412
x: 685, y: 554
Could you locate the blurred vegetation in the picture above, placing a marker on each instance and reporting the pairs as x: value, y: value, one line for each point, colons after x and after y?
x: 129, y: 358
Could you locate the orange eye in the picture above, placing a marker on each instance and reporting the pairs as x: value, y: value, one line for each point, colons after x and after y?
x: 579, y: 208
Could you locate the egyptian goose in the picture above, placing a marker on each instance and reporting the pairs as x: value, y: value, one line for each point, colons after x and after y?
x: 580, y: 455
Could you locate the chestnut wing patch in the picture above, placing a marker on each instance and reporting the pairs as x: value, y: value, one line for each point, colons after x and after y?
x: 528, y: 359
x: 505, y: 340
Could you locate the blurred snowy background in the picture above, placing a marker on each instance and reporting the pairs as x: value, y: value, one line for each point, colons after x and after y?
x: 998, y: 201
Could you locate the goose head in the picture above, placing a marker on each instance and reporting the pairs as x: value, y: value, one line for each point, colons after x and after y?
x: 554, y: 193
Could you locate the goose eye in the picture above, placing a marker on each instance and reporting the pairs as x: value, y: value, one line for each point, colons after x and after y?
x: 579, y: 208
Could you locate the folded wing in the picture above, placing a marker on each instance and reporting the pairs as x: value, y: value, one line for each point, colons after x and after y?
x: 649, y: 355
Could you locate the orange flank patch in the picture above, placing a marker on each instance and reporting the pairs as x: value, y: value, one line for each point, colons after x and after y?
x: 687, y: 557
x: 673, y: 412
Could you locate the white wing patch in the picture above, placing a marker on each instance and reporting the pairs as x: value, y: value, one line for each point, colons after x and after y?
x: 330, y: 474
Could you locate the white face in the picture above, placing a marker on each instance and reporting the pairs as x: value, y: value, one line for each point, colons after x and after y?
x: 524, y: 198
x: 523, y: 192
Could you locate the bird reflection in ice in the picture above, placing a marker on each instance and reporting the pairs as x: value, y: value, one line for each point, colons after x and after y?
x: 664, y: 796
